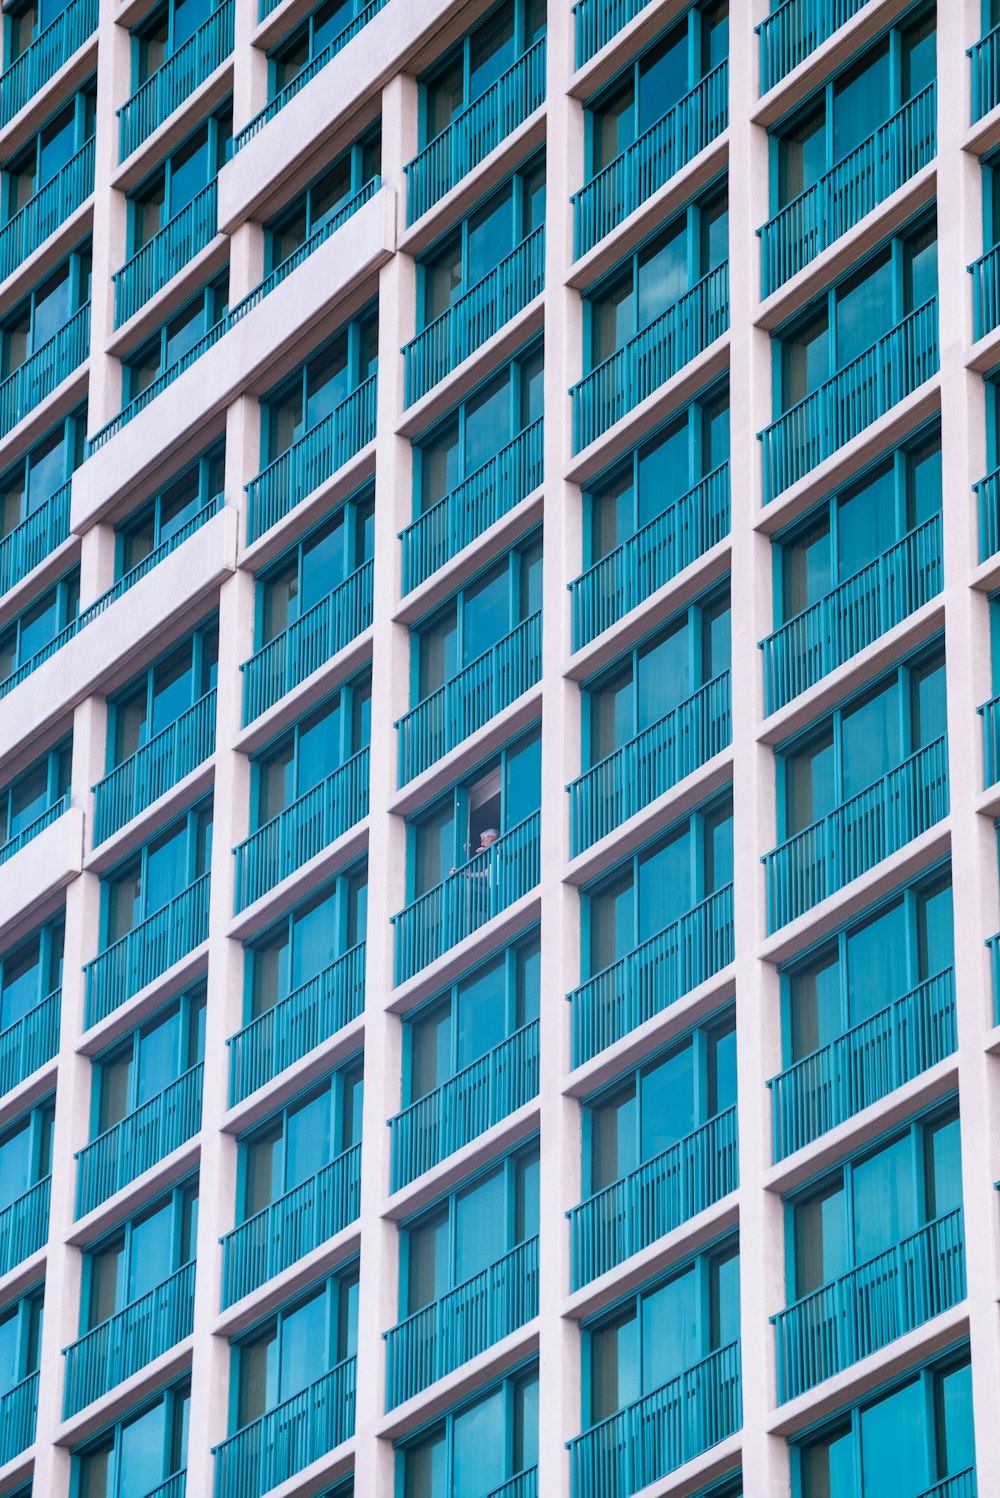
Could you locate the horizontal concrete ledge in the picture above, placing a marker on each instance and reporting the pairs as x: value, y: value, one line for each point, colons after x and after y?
x: 42, y: 866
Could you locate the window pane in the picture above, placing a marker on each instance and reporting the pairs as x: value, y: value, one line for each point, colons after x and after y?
x: 820, y: 1239
x: 668, y: 1102
x: 479, y: 1445
x: 614, y: 1366
x: 953, y: 1420
x: 876, y: 963
x: 141, y: 1453
x: 613, y: 1139
x: 884, y: 1202
x: 890, y: 1463
x: 864, y: 311
x: 870, y: 740
x: 481, y: 1019
x: 828, y: 1466
x: 479, y: 1218
x: 670, y: 1340
x: 943, y: 1164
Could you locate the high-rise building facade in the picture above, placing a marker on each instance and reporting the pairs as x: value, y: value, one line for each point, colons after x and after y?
x: 499, y: 749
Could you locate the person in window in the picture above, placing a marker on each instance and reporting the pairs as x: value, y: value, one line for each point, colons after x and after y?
x: 487, y: 838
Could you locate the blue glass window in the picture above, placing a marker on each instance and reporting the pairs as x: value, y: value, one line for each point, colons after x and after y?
x: 162, y: 32
x: 174, y: 338
x: 35, y: 791
x: 139, y: 1256
x: 48, y: 151
x: 46, y: 309
x: 659, y: 272
x: 161, y: 517
x: 25, y: 22
x: 312, y: 749
x: 41, y: 470
x: 307, y: 941
x: 162, y: 868
x: 316, y: 565
x: 301, y: 1138
x: 321, y: 27
x: 498, y: 796
x: 31, y: 970
x: 477, y: 1447
x: 468, y: 1231
x: 475, y: 431
x: 37, y: 626
x: 20, y: 1339
x: 181, y: 176
x: 142, y: 1065
x: 319, y: 385
x: 26, y: 1151
x: 295, y: 1347
x: 323, y: 199
x: 477, y: 1013
x: 138, y: 1453
x: 658, y: 885
x: 162, y: 693
x: 485, y: 53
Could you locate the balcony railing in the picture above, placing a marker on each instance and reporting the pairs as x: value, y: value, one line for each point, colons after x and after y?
x: 306, y: 73
x: 524, y: 1485
x: 166, y: 253
x: 662, y: 548
x: 293, y: 1026
x: 24, y: 1225
x: 993, y: 943
x: 853, y: 615
x: 295, y: 1433
x: 647, y: 361
x: 174, y: 1487
x: 28, y: 544
x: 28, y: 74
x: 291, y: 1227
x: 146, y: 952
x: 476, y: 131
x: 857, y: 835
x: 475, y: 317
x: 30, y: 1042
x: 465, y: 1106
x: 129, y: 1340
x: 460, y: 707
x: 869, y: 1307
x: 985, y: 59
x: 150, y: 772
x: 962, y: 1485
x: 308, y: 643
x: 27, y: 834
x: 18, y: 1418
x: 990, y: 714
x: 795, y: 29
x: 673, y: 1187
x: 866, y: 1063
x: 654, y: 976
x: 467, y: 899
x: 305, y: 465
x: 597, y: 21
x: 139, y: 1141
x: 988, y: 493
x: 985, y: 273
x: 842, y: 197
x: 45, y: 369
x: 475, y: 1315
x: 167, y: 88
x: 478, y: 502
x: 841, y: 408
x: 649, y: 764
x: 625, y: 183
x: 647, y: 1439
x: 51, y: 205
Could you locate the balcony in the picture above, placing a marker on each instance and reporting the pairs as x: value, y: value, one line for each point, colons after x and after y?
x: 609, y: 392
x: 42, y: 215
x: 655, y: 1435
x: 651, y: 558
x: 24, y: 1226
x: 990, y: 714
x: 597, y: 21
x: 18, y: 1418
x: 163, y: 256
x: 470, y: 509
x: 26, y: 546
x: 841, y: 198
x: 863, y: 1065
x: 302, y: 830
x: 653, y: 976
x: 467, y: 899
x: 857, y: 835
x: 312, y: 460
x: 653, y: 1200
x: 840, y: 409
x: 167, y: 88
x: 461, y: 1109
x: 305, y: 74
x: 795, y: 29
x: 288, y: 1438
x: 29, y: 1042
x: 985, y: 273
x: 27, y: 834
x: 139, y: 1141
x: 648, y: 765
x: 853, y: 615
x: 985, y: 60
x: 475, y: 1315
x: 962, y: 1485
x: 475, y: 317
x: 28, y: 74
x: 43, y: 371
x: 475, y: 131
x: 650, y: 162
x: 146, y: 952
x: 869, y: 1307
x: 993, y: 943
x: 309, y: 643
x: 291, y: 1227
x: 151, y: 771
x: 987, y: 491
x: 295, y: 1025
x: 468, y: 701
x: 129, y: 1340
